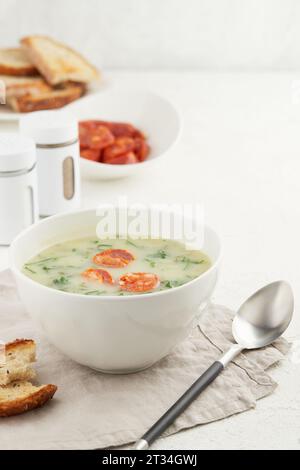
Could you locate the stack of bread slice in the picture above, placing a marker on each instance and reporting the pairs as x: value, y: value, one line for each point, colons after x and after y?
x: 43, y: 74
x: 17, y: 393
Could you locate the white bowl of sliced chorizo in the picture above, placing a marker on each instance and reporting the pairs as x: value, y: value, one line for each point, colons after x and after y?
x: 123, y: 132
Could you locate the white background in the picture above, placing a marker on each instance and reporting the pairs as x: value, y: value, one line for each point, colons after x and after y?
x: 164, y: 33
x: 239, y: 153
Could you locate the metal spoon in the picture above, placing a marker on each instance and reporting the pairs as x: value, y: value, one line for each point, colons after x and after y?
x: 259, y: 321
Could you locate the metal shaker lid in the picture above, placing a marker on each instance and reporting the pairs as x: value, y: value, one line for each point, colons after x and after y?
x: 49, y: 127
x: 17, y: 152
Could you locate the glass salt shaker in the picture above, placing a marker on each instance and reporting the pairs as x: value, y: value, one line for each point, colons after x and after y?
x: 18, y: 185
x: 56, y: 137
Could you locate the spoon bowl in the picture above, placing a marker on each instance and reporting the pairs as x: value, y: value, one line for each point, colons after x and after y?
x: 264, y: 316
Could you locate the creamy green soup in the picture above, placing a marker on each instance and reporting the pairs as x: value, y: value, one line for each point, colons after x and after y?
x: 62, y: 266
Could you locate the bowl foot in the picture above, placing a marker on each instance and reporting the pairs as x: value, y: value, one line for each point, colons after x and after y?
x: 123, y: 371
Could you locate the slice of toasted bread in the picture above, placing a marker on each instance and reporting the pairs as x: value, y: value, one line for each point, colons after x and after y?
x: 16, y: 363
x: 57, y: 62
x: 55, y: 98
x: 14, y: 61
x: 19, y: 86
x: 18, y: 397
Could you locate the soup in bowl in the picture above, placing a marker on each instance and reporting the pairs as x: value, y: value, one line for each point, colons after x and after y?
x: 116, y: 266
x: 114, y: 304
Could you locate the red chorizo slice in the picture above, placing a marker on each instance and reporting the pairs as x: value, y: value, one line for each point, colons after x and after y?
x: 124, y: 159
x: 113, y: 258
x: 99, y: 275
x: 141, y: 149
x: 84, y: 130
x: 91, y: 154
x: 139, y: 282
x: 120, y: 129
x: 121, y: 145
x: 99, y: 138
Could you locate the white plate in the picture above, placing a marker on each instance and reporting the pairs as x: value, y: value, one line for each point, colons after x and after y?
x: 7, y: 114
x: 149, y: 112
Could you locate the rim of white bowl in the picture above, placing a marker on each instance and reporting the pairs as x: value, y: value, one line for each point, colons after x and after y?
x: 17, y: 271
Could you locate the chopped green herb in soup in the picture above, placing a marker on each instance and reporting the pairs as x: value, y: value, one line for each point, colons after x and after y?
x: 90, y: 266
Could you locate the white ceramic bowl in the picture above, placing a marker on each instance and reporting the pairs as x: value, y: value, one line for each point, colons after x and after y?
x: 117, y: 334
x: 151, y: 113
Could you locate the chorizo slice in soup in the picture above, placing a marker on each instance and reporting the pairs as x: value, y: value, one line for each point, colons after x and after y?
x: 113, y: 258
x: 139, y: 282
x: 99, y: 275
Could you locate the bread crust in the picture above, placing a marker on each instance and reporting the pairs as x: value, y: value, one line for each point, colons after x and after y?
x: 18, y: 342
x: 21, y: 70
x: 14, y: 367
x: 37, y: 59
x: 17, y: 72
x: 51, y: 100
x: 17, y: 394
x: 54, y: 77
x: 32, y: 89
x: 30, y: 402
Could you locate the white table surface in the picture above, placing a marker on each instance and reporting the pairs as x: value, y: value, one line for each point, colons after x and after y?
x: 239, y: 155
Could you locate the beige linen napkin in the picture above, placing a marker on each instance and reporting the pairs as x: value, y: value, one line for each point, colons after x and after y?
x: 92, y: 410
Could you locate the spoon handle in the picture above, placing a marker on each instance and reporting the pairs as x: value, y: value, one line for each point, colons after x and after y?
x: 188, y: 397
x: 181, y: 404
